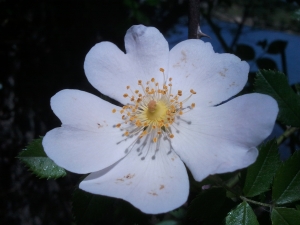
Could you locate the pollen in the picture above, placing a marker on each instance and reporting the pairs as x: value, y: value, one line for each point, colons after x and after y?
x: 192, y: 91
x: 153, y: 109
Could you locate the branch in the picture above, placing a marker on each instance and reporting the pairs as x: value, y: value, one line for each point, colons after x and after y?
x: 286, y: 134
x: 194, y: 18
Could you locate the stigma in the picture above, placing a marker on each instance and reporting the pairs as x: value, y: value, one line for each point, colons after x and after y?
x: 153, y: 109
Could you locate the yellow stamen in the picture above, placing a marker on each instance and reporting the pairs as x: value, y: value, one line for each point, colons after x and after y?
x: 154, y: 108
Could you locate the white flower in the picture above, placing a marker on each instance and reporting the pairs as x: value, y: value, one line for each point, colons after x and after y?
x: 172, y: 116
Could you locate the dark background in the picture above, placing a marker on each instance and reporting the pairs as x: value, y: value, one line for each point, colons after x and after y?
x: 42, y: 49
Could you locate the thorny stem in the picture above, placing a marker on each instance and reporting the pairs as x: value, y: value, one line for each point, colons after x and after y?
x: 220, y: 182
x: 255, y: 202
x: 286, y: 134
x: 194, y: 18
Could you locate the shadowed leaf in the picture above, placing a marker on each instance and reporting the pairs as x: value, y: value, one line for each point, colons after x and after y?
x: 275, y: 84
x: 88, y: 208
x: 285, y: 216
x: 286, y: 186
x: 261, y: 173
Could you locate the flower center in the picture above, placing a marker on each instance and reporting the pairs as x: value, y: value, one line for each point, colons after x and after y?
x: 153, y: 110
x: 156, y: 111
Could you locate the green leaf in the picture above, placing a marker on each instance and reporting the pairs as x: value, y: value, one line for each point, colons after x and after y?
x: 242, y: 215
x: 275, y: 84
x: 260, y: 174
x: 286, y: 186
x: 89, y: 208
x: 168, y: 222
x: 38, y: 162
x: 285, y: 216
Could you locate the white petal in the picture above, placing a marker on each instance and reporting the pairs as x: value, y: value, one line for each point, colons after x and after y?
x: 147, y: 47
x: 224, y: 138
x: 154, y: 185
x: 87, y: 140
x: 109, y: 70
x: 215, y: 77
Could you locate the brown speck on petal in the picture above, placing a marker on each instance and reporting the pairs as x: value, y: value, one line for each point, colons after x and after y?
x: 222, y: 74
x: 129, y: 176
x: 152, y: 193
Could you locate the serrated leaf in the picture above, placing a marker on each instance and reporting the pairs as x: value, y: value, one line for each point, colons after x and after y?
x: 285, y: 216
x: 38, y: 162
x: 286, y: 186
x: 275, y: 84
x: 242, y: 215
x: 260, y: 174
x: 89, y: 208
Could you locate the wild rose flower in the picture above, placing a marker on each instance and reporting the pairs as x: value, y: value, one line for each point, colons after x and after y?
x: 173, y: 114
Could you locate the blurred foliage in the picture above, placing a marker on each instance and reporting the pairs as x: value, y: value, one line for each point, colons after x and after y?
x: 270, y: 14
x: 42, y: 49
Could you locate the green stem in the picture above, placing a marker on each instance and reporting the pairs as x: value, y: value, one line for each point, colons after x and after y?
x: 219, y: 181
x: 286, y: 134
x: 255, y: 202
